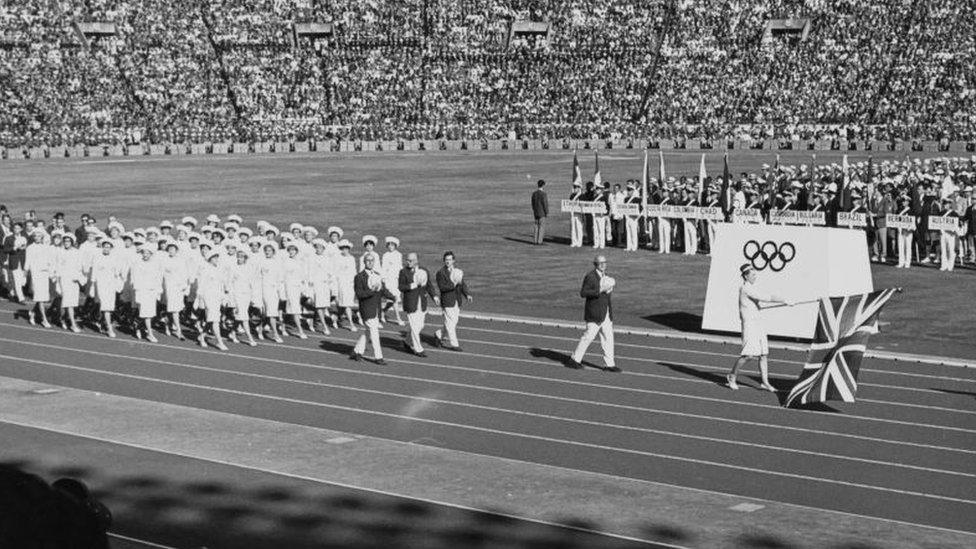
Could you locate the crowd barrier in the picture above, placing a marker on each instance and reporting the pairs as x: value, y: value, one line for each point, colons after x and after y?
x: 436, y: 145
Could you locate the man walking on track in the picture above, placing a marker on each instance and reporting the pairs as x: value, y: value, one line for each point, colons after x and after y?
x: 754, y: 341
x: 370, y: 292
x: 540, y: 210
x: 598, y: 314
x: 416, y: 284
x: 453, y: 288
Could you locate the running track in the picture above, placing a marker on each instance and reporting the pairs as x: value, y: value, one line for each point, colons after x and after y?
x: 905, y: 452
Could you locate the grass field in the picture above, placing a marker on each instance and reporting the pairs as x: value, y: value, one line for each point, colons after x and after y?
x: 477, y: 205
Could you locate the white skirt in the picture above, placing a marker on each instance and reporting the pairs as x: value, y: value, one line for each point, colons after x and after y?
x: 70, y: 294
x: 754, y: 341
x: 174, y: 301
x: 146, y: 301
x: 322, y: 294
x: 41, y: 286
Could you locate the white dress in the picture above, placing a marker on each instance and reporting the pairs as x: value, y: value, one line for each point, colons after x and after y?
x: 39, y: 265
x: 146, y: 281
x: 210, y: 291
x: 754, y: 341
x: 240, y: 284
x: 345, y: 273
x: 106, y: 278
x: 176, y: 282
x: 295, y: 274
x: 271, y: 274
x: 322, y: 279
x: 70, y: 276
x: 390, y: 269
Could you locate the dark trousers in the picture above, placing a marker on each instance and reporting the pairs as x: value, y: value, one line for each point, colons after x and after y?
x: 540, y: 230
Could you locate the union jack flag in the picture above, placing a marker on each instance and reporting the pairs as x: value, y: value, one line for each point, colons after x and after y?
x: 843, y: 327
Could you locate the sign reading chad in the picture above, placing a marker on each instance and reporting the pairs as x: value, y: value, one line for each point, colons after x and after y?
x: 795, y: 262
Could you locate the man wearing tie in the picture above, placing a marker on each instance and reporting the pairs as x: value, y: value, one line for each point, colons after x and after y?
x: 415, y: 283
x: 451, y: 284
x: 540, y: 210
x: 370, y: 292
x: 598, y: 314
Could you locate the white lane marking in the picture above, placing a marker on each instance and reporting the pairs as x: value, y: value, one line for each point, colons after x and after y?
x: 747, y: 507
x: 540, y: 438
x: 504, y: 410
x: 537, y: 378
x: 136, y: 540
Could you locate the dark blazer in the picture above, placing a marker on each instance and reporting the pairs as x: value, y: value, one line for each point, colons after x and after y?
x: 540, y: 204
x: 451, y: 293
x: 598, y: 306
x: 370, y: 301
x: 415, y: 299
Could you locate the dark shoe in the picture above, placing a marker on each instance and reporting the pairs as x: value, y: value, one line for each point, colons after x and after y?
x: 614, y: 369
x: 406, y: 346
x: 380, y: 362
x: 574, y: 365
x: 421, y: 354
x: 457, y: 349
x: 355, y: 356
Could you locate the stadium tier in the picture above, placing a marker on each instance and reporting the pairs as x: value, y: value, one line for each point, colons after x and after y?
x: 236, y: 70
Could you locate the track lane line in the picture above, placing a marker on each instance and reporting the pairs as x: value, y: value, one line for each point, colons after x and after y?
x: 502, y: 373
x: 508, y: 410
x: 499, y: 432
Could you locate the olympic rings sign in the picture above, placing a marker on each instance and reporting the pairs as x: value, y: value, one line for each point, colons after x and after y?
x: 768, y: 254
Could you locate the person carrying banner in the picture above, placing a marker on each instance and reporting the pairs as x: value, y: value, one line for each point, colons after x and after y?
x: 691, y: 228
x: 599, y: 220
x: 754, y: 341
x: 576, y: 219
x: 664, y: 225
x: 906, y: 237
x: 947, y: 238
x: 631, y: 221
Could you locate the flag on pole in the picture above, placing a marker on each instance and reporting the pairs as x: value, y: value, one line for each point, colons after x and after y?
x: 701, y: 180
x: 844, y: 189
x: 577, y: 176
x: 660, y: 168
x: 645, y: 182
x: 597, y: 178
x: 841, y: 337
x: 725, y: 200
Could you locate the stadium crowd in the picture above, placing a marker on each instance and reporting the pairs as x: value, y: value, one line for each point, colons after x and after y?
x: 197, y: 71
x: 919, y: 189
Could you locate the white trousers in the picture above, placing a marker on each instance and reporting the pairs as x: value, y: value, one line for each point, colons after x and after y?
x: 373, y: 334
x: 576, y: 230
x: 451, y: 316
x: 905, y: 248
x: 691, y: 237
x: 415, y: 324
x: 663, y: 236
x: 948, y: 245
x: 599, y: 231
x: 605, y: 329
x: 631, y: 226
x: 711, y: 236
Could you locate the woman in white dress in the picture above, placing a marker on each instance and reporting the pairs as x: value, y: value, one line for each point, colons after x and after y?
x: 211, y: 291
x: 322, y: 279
x: 106, y: 279
x: 345, y: 274
x: 176, y: 284
x: 295, y: 275
x: 271, y: 275
x: 241, y: 288
x: 754, y: 342
x: 390, y: 268
x: 69, y: 278
x: 146, y: 280
x: 39, y: 266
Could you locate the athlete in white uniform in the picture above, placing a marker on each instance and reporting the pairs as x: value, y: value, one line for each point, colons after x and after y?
x: 754, y: 342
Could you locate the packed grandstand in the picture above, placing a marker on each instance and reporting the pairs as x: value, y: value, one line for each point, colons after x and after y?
x: 210, y: 71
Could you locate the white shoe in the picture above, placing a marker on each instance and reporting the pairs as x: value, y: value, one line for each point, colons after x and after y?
x: 252, y: 343
x: 151, y: 339
x: 111, y: 333
x: 301, y: 335
x: 202, y: 341
x: 46, y: 324
x: 221, y: 346
x: 76, y: 329
x: 31, y: 319
x: 277, y: 339
x: 730, y: 381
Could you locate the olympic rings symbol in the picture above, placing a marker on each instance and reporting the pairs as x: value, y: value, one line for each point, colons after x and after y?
x: 768, y: 254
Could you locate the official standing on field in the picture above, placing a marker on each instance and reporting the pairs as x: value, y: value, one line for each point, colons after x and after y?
x: 598, y: 314
x: 540, y: 210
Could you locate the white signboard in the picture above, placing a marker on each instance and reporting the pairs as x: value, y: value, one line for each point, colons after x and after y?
x: 893, y: 221
x: 747, y: 215
x: 628, y: 209
x: 795, y: 262
x: 852, y: 219
x: 571, y: 206
x: 811, y: 218
x: 783, y: 217
x: 712, y: 213
x: 948, y: 224
x: 658, y: 210
x: 581, y: 206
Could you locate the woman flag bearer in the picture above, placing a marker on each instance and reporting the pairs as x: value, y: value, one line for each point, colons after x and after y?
x: 370, y: 292
x: 106, y: 277
x: 210, y: 299
x: 452, y: 287
x: 390, y: 270
x: 323, y: 281
x: 176, y: 284
x: 272, y: 278
x: 345, y: 272
x: 241, y: 277
x: 146, y: 278
x: 295, y: 274
x: 39, y: 265
x: 754, y: 342
x: 69, y: 279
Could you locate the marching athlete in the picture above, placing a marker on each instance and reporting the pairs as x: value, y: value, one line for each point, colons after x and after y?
x: 39, y: 266
x: 322, y: 279
x: 598, y: 314
x: 416, y: 284
x: 211, y: 290
x: 272, y: 279
x: 106, y: 278
x: 176, y: 285
x: 69, y: 278
x: 452, y: 287
x: 241, y: 288
x: 295, y: 275
x: 345, y: 273
x: 370, y: 291
x: 146, y: 279
x: 390, y: 269
x: 754, y: 341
